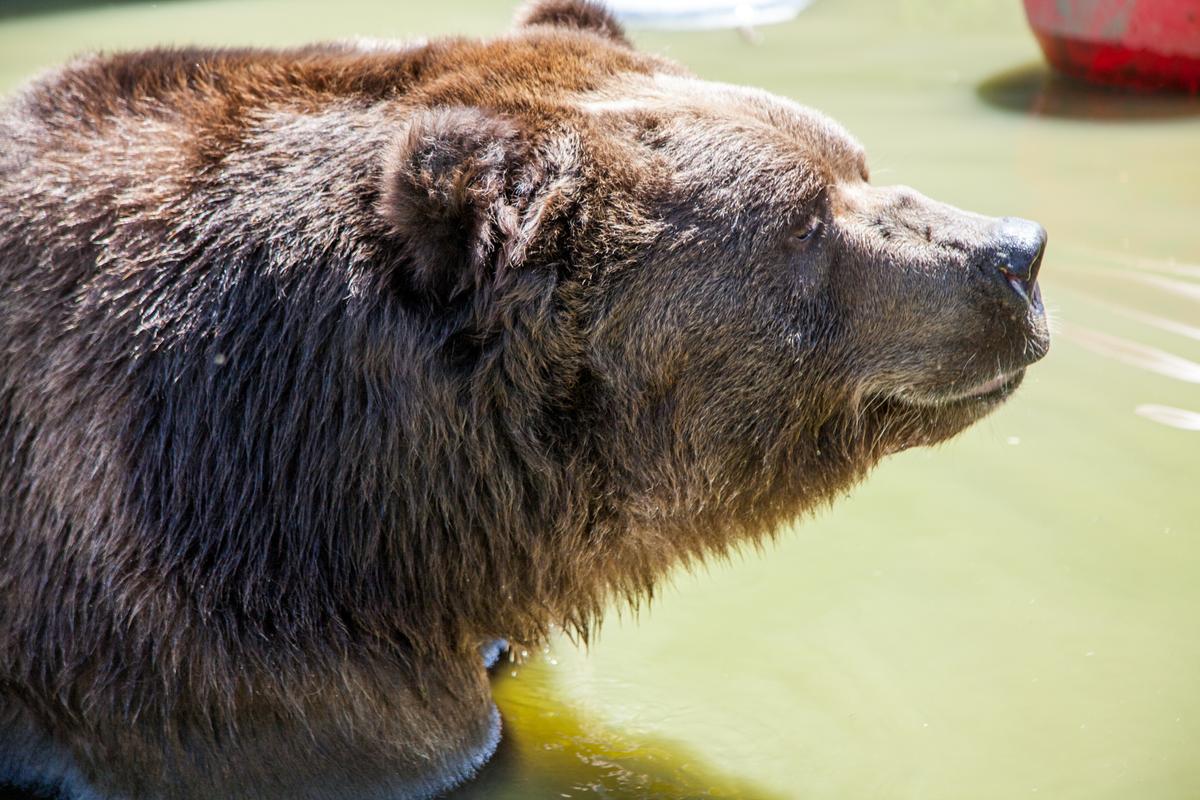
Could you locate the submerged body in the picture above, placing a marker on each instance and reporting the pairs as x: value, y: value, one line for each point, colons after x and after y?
x: 323, y: 367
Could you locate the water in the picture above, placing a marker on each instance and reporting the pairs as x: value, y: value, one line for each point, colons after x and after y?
x: 1014, y: 614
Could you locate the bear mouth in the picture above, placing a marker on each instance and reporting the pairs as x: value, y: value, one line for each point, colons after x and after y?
x: 992, y: 390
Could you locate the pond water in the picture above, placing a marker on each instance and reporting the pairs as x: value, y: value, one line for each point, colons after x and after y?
x: 1016, y: 613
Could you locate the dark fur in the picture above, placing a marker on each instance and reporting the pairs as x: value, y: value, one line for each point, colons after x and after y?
x: 319, y: 368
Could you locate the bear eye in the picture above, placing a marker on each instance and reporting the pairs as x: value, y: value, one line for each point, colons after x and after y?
x: 808, y: 231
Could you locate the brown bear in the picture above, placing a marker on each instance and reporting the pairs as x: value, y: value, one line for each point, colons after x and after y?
x: 322, y: 368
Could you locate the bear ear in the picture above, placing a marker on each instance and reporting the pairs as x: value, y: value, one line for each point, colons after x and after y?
x: 470, y: 198
x: 445, y: 182
x: 583, y: 15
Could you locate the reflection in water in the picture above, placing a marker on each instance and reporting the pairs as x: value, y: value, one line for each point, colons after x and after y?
x: 1162, y: 323
x: 1036, y: 89
x: 1181, y: 288
x: 1138, y: 355
x: 552, y: 750
x: 1191, y: 291
x: 1173, y: 417
x: 1158, y: 265
x: 19, y: 8
x: 1169, y: 265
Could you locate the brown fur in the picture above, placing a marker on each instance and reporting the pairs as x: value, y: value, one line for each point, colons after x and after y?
x: 320, y: 368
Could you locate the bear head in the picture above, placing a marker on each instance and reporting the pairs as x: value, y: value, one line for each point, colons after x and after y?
x: 753, y: 323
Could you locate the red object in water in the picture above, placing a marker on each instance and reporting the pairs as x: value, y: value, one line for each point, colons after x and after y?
x: 1144, y: 44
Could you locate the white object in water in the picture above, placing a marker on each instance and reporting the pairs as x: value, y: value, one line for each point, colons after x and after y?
x: 699, y: 14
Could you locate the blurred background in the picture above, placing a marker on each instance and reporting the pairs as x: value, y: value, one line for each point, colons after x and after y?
x: 1014, y: 614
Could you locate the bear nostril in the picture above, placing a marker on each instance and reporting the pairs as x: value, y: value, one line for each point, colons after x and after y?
x: 1016, y: 255
x: 1019, y: 285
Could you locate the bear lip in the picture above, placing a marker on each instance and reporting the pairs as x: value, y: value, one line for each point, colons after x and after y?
x: 993, y: 389
x: 987, y: 387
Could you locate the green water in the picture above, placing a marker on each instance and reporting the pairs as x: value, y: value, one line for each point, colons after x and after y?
x: 1016, y: 614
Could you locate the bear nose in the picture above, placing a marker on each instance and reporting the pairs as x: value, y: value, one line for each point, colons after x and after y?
x: 1015, y: 255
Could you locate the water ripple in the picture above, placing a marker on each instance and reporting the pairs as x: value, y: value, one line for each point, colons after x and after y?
x: 1172, y: 417
x: 1138, y: 355
x: 1162, y: 323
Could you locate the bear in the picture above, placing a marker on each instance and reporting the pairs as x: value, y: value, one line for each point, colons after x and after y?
x: 324, y: 369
